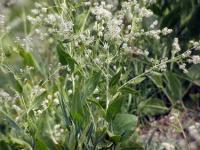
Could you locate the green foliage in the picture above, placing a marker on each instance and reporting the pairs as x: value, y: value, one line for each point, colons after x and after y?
x: 152, y: 107
x: 83, y: 76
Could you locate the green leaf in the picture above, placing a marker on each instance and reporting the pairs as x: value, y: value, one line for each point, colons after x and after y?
x: 113, y: 137
x: 64, y: 57
x: 18, y: 131
x: 82, y: 92
x: 15, y: 83
x: 128, y: 90
x: 80, y: 21
x: 124, y: 123
x: 29, y: 59
x: 194, y: 74
x: 21, y: 143
x: 174, y: 88
x: 115, y: 79
x: 37, y: 101
x: 152, y: 107
x: 40, y: 145
x: 134, y: 146
x: 156, y: 77
x: 65, y: 111
x: 90, y: 85
x: 114, y: 108
x: 138, y: 80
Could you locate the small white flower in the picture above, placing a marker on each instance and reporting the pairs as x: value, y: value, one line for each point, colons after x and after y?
x: 101, y: 13
x: 56, y: 101
x: 195, y: 59
x: 105, y: 46
x: 155, y: 23
x: 70, y: 92
x: 44, y: 10
x: 143, y: 12
x: 87, y: 3
x: 168, y: 146
x: 175, y: 46
x: 182, y: 66
x: 166, y: 31
x: 129, y: 27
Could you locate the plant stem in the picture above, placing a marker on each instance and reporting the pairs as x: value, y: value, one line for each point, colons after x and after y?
x: 149, y: 70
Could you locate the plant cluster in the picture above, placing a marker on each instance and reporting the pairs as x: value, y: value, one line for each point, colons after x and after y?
x: 89, y: 75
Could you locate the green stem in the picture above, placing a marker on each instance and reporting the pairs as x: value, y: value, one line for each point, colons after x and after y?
x: 149, y: 70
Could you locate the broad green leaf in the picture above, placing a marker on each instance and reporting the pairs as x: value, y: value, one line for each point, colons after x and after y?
x: 174, y: 88
x: 19, y: 131
x: 156, y: 77
x: 152, y: 107
x: 80, y: 21
x: 64, y: 57
x: 137, y: 80
x: 5, y: 146
x: 82, y: 92
x: 115, y: 79
x: 21, y: 143
x: 65, y: 111
x: 114, y: 108
x: 29, y: 59
x: 37, y: 101
x: 90, y: 85
x: 194, y: 74
x: 15, y: 83
x: 128, y: 90
x: 113, y: 137
x: 131, y: 143
x: 124, y: 123
x: 40, y: 145
x: 10, y: 121
x: 101, y: 109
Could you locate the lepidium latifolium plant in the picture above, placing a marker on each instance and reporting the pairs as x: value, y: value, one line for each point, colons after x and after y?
x: 87, y: 74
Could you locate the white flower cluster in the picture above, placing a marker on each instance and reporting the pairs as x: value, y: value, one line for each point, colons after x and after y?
x: 50, y: 23
x: 153, y: 33
x: 163, y: 66
x: 143, y: 12
x: 37, y: 90
x: 175, y: 46
x: 166, y: 31
x: 84, y: 38
x: 134, y: 50
x: 195, y: 44
x: 4, y: 97
x: 195, y: 59
x: 65, y: 29
x: 183, y: 67
x: 114, y: 28
x: 154, y: 24
x: 7, y: 101
x: 101, y: 11
x: 57, y: 133
x: 45, y: 104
